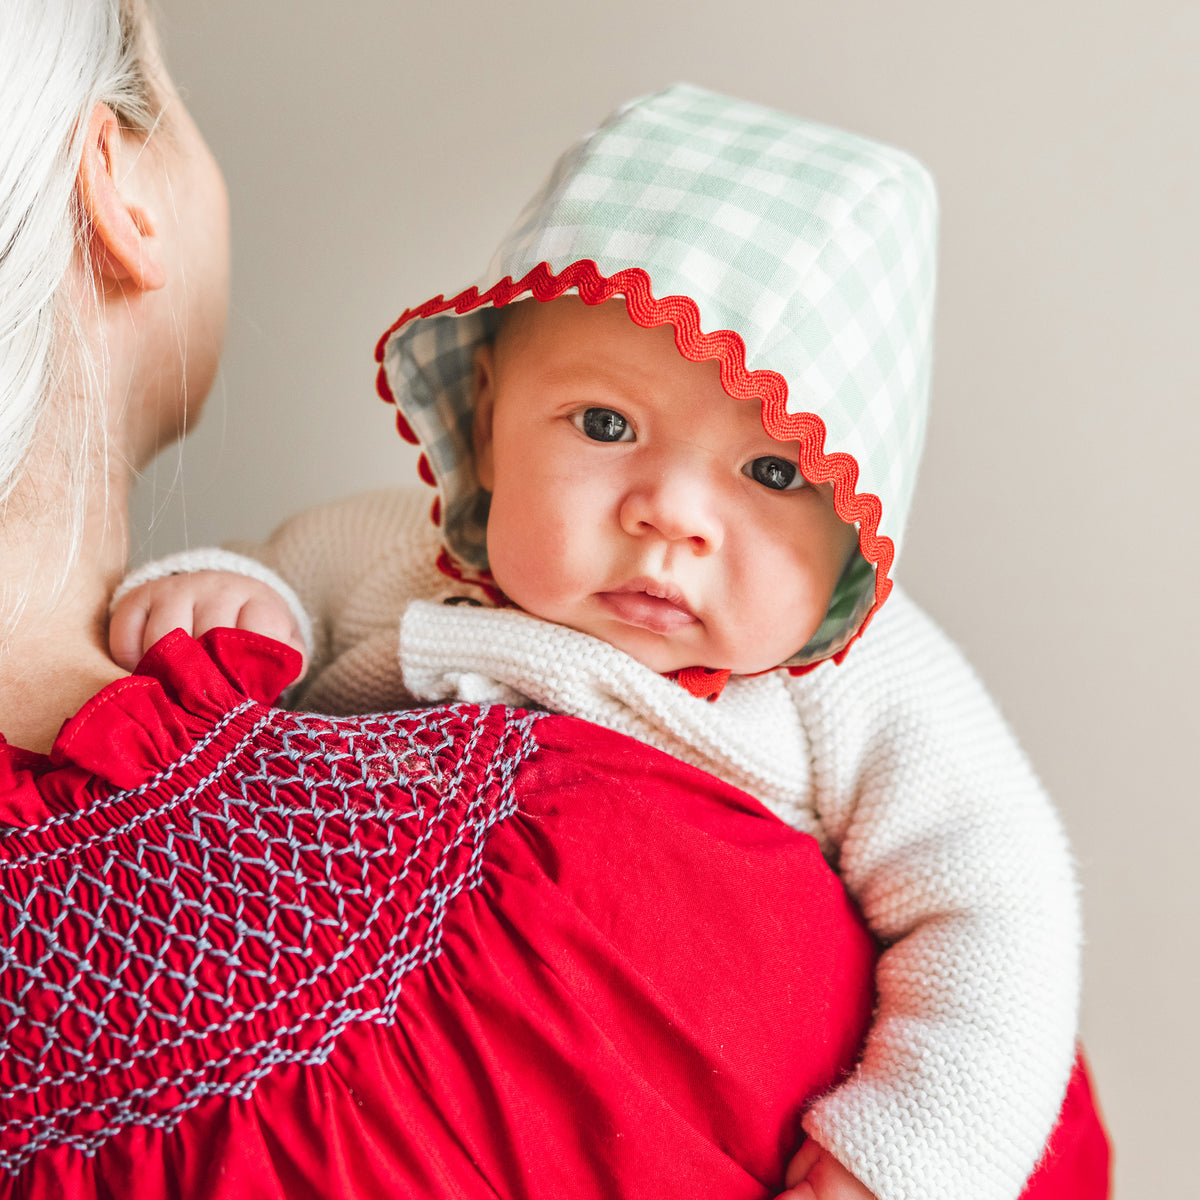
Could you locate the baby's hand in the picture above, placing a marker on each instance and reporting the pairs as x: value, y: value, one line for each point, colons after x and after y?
x: 197, y: 602
x: 814, y: 1174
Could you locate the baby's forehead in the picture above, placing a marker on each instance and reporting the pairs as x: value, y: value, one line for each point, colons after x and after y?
x: 532, y: 324
x: 603, y: 339
x: 600, y: 349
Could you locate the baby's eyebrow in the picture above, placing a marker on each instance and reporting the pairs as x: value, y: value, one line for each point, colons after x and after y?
x: 585, y: 370
x: 592, y: 374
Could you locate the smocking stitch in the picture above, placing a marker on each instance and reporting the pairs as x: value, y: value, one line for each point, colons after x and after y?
x: 256, y: 916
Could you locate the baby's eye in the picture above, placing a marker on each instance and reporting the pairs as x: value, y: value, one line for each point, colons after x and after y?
x: 775, y: 473
x: 603, y: 425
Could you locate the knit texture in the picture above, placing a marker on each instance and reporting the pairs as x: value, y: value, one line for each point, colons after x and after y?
x: 895, y: 760
x: 962, y: 869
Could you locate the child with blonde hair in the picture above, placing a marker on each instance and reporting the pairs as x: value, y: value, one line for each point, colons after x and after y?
x: 674, y: 434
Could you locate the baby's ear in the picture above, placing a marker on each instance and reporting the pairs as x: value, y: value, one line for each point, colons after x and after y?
x: 123, y: 246
x: 485, y: 401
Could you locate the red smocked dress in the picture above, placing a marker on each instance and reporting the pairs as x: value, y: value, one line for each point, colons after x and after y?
x: 455, y: 952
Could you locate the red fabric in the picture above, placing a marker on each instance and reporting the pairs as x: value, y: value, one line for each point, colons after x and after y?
x: 641, y: 983
x: 481, y: 579
x: 705, y: 683
x: 1076, y: 1164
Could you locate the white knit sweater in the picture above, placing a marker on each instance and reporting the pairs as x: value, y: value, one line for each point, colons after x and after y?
x: 896, y: 761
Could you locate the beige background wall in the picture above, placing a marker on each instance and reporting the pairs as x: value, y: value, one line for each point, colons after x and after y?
x: 375, y: 150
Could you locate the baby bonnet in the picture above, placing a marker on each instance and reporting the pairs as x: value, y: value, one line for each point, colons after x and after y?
x: 799, y: 256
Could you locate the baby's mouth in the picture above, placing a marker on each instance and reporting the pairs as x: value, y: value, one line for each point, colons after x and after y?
x: 648, y: 604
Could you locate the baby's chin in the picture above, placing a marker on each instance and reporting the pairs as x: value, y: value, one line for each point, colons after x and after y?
x: 656, y: 653
x: 662, y: 654
x: 667, y: 660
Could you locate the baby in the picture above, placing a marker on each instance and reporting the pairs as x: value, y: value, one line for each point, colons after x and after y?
x: 674, y: 437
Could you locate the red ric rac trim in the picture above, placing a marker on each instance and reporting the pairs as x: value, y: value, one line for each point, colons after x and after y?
x: 769, y: 388
x: 482, y: 579
x: 705, y: 683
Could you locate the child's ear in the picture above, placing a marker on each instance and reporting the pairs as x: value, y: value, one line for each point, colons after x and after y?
x: 485, y: 402
x: 123, y: 247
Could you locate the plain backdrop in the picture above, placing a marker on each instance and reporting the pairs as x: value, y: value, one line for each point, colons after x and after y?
x: 375, y: 151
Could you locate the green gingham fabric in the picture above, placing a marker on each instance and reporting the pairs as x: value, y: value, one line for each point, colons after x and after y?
x: 816, y: 246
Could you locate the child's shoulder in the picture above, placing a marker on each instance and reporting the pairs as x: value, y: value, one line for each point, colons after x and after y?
x: 336, y: 544
x: 382, y: 515
x: 379, y: 504
x: 902, y: 661
x: 906, y: 701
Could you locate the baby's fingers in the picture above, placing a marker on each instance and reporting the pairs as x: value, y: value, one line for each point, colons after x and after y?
x: 803, y: 1162
x: 814, y: 1174
x: 145, y: 615
x: 171, y: 609
x: 126, y: 628
x: 196, y: 602
x: 269, y: 615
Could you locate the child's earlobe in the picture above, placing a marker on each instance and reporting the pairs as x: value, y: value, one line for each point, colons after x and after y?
x: 484, y: 383
x: 123, y: 246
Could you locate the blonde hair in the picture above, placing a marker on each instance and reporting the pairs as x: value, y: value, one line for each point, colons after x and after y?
x: 58, y: 59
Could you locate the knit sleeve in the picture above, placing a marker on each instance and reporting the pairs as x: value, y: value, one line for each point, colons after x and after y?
x: 316, y: 558
x: 962, y: 870
x: 324, y: 552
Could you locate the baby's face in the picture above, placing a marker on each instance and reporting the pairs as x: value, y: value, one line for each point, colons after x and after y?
x: 634, y: 500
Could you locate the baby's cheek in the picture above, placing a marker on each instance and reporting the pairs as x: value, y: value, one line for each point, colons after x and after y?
x: 766, y: 617
x: 515, y: 564
x: 537, y: 588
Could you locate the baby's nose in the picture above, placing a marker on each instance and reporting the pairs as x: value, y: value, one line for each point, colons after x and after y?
x: 676, y: 502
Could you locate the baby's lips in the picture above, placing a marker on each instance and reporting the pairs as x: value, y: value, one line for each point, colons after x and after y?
x: 645, y: 611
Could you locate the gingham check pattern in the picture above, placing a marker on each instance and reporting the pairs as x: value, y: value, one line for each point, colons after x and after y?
x: 816, y: 246
x: 430, y: 373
